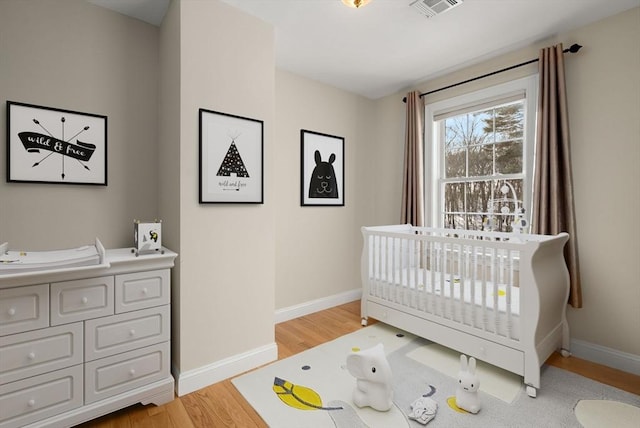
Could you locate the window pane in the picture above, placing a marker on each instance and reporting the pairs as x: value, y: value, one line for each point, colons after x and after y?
x: 481, y: 127
x: 455, y: 157
x: 454, y: 197
x: 455, y: 221
x: 481, y: 160
x: 455, y: 160
x: 509, y: 157
x: 509, y: 120
x: 475, y: 222
x: 478, y: 196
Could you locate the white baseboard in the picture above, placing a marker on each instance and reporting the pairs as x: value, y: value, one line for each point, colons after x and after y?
x: 286, y: 314
x: 201, y: 377
x: 624, y: 361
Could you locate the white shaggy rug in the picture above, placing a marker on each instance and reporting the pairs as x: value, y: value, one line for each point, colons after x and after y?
x: 421, y: 367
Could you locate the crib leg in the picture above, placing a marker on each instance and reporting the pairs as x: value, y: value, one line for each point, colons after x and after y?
x: 532, y: 391
x: 364, y: 321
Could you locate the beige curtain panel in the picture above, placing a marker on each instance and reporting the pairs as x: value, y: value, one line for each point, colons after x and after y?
x: 553, y: 206
x: 413, y: 175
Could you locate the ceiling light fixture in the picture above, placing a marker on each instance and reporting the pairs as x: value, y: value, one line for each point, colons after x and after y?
x: 355, y: 3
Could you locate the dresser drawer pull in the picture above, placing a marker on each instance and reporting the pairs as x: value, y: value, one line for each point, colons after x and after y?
x: 132, y: 372
x: 85, y: 300
x: 11, y: 311
x: 132, y: 332
x: 145, y: 291
x: 31, y: 403
x: 31, y: 356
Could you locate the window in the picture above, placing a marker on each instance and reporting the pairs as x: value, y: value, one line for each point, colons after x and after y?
x: 480, y: 158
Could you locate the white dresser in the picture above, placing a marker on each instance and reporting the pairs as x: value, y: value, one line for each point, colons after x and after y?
x: 81, y: 342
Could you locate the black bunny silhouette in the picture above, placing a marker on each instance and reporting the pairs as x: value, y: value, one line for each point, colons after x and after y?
x: 323, y: 180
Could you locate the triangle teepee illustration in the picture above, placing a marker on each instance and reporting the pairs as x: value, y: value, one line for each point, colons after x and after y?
x: 232, y: 163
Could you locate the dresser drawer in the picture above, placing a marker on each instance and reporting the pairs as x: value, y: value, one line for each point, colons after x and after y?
x: 39, y: 397
x: 123, y: 372
x: 125, y: 332
x: 141, y: 290
x: 28, y: 354
x: 24, y: 308
x: 82, y: 299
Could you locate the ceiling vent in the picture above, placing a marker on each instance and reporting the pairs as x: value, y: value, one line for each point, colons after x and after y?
x: 431, y: 8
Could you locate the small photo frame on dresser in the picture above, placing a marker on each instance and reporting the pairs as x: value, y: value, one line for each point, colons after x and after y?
x: 147, y: 237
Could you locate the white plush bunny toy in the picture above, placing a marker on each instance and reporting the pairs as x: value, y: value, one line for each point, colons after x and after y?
x: 467, y: 392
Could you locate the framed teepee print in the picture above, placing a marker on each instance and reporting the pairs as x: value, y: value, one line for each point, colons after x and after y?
x: 231, y: 159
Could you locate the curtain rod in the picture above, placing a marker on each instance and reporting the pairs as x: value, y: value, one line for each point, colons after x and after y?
x: 573, y: 49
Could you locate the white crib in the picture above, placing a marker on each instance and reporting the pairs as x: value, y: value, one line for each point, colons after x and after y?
x: 499, y: 297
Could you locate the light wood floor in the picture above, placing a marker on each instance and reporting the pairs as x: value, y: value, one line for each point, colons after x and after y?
x: 221, y: 405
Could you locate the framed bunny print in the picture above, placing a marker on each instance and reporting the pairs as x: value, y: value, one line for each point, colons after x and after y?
x: 322, y: 169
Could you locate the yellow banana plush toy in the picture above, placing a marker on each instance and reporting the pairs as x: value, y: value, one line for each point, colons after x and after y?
x: 299, y: 397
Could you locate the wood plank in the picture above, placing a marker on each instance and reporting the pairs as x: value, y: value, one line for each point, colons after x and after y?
x: 603, y: 374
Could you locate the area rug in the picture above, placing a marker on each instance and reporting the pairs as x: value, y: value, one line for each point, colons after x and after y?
x: 323, y: 390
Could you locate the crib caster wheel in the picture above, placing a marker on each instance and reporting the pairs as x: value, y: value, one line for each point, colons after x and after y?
x: 532, y: 391
x: 565, y: 353
x: 364, y: 322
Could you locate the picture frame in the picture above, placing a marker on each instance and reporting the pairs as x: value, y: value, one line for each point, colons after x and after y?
x: 54, y: 145
x: 231, y: 160
x: 322, y: 169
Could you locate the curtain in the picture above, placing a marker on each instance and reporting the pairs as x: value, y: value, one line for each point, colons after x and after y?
x: 553, y: 205
x: 413, y: 173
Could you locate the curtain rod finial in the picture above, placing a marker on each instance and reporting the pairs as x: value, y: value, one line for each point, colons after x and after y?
x: 575, y: 48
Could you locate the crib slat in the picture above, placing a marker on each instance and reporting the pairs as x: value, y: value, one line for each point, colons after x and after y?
x: 432, y: 276
x: 496, y: 292
x: 473, y: 274
x: 487, y: 271
x: 379, y: 271
x: 509, y: 289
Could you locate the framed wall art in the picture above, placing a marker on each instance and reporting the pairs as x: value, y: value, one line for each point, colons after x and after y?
x: 231, y: 159
x: 53, y: 145
x: 322, y: 169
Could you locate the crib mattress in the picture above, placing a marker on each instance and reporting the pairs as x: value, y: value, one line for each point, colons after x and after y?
x: 451, y: 297
x: 452, y: 286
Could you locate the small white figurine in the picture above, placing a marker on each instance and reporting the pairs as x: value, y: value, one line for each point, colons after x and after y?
x: 468, y: 383
x: 423, y: 409
x: 373, y: 378
x: 519, y: 224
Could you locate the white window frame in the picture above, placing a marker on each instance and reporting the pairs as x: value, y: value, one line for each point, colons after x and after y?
x: 434, y: 155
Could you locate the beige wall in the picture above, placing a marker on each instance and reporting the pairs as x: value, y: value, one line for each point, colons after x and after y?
x: 227, y: 251
x: 604, y: 104
x: 169, y: 126
x: 318, y: 248
x: 56, y: 54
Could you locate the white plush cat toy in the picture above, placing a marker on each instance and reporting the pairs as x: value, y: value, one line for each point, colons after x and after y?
x: 467, y: 392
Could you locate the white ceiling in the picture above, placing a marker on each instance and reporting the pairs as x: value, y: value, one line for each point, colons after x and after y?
x: 388, y: 46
